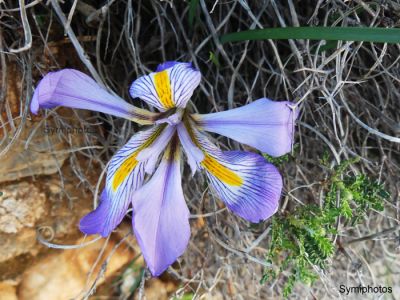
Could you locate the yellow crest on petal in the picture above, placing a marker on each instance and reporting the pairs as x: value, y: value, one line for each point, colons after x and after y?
x: 130, y: 163
x: 221, y: 172
x: 163, y: 88
x: 126, y: 168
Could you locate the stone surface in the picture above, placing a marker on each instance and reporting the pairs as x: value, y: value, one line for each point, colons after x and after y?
x: 26, y: 207
x: 64, y: 275
x: 21, y: 205
x: 18, y: 160
x: 8, y: 290
x: 157, y: 289
x: 36, y: 160
x: 36, y: 146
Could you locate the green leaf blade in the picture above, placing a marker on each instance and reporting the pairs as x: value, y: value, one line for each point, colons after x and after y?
x: 361, y: 34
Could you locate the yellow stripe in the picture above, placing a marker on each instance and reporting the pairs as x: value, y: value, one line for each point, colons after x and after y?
x: 130, y: 163
x: 212, y: 165
x: 221, y: 172
x: 163, y: 88
x: 126, y: 168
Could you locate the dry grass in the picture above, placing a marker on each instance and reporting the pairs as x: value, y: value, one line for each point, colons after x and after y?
x: 348, y: 95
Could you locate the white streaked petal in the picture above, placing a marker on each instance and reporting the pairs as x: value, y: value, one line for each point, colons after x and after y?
x: 171, y: 87
x: 249, y: 185
x: 125, y: 174
x: 155, y: 149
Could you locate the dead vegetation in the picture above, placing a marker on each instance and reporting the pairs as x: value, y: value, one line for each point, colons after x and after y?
x: 348, y: 94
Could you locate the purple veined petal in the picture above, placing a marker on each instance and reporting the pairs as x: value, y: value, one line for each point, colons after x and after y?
x: 194, y: 155
x: 125, y: 175
x: 91, y: 223
x: 152, y: 152
x: 263, y: 124
x: 161, y: 217
x: 168, y: 88
x: 257, y: 196
x: 249, y: 185
x: 72, y: 88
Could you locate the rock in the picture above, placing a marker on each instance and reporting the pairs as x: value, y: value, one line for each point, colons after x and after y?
x: 19, y: 162
x: 26, y: 207
x: 157, y: 289
x: 36, y: 146
x: 63, y: 275
x: 21, y: 205
x: 8, y: 291
x: 43, y: 156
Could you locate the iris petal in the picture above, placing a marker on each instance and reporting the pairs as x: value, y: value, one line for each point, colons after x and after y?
x: 171, y: 87
x: 91, y: 223
x: 263, y: 124
x: 194, y: 155
x: 72, y: 88
x: 245, y: 181
x: 125, y: 175
x: 152, y: 152
x: 166, y: 65
x: 161, y: 217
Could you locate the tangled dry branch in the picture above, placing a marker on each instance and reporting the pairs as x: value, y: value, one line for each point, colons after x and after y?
x: 348, y: 94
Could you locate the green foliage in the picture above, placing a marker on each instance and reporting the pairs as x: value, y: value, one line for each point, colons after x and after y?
x: 362, y: 34
x: 329, y: 45
x: 193, y: 5
x: 214, y: 59
x: 188, y: 296
x: 280, y: 160
x: 277, y: 161
x: 302, y: 241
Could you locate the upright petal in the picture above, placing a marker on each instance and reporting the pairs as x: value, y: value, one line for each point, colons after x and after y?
x: 151, y: 154
x: 125, y: 175
x: 171, y: 86
x: 161, y: 217
x: 194, y: 154
x: 166, y: 65
x: 245, y: 181
x: 158, y: 145
x: 72, y: 88
x: 263, y: 124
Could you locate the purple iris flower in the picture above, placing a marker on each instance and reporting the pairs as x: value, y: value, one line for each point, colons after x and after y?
x: 244, y: 181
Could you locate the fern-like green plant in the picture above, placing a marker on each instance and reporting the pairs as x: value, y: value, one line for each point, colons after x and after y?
x: 303, y: 239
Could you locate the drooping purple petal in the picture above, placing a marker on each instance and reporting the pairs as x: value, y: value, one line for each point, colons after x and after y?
x: 257, y: 197
x: 72, y: 88
x: 94, y: 220
x: 161, y: 217
x: 168, y: 88
x: 125, y: 175
x: 263, y: 124
x: 249, y: 185
x: 194, y: 155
